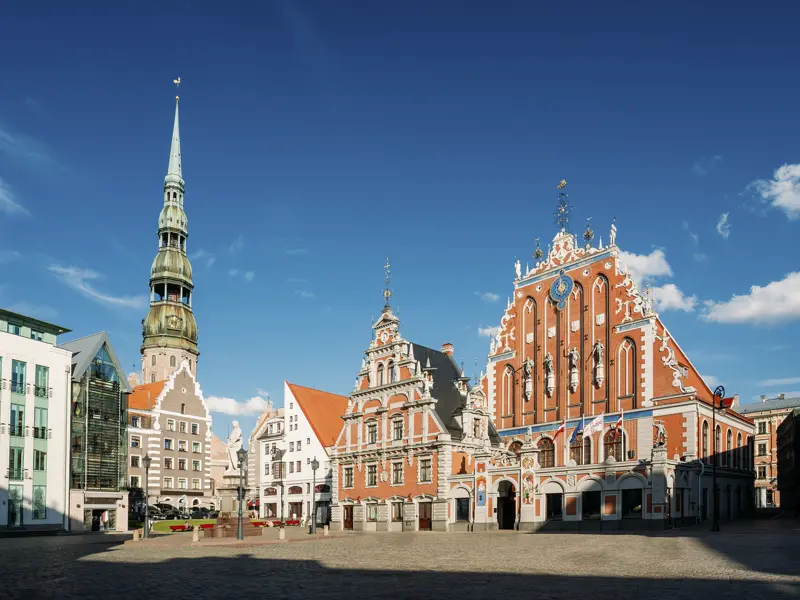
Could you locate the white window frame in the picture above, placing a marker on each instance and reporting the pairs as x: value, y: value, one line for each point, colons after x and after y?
x: 169, y: 483
x: 348, y: 469
x: 198, y: 446
x: 171, y: 466
x: 366, y: 475
x: 181, y: 443
x: 199, y: 484
x: 171, y: 443
x: 171, y: 425
x: 199, y: 465
x: 182, y: 464
x: 185, y: 483
x: 195, y: 428
x: 419, y: 469
x: 138, y: 483
x: 402, y: 473
x: 138, y: 439
x: 185, y: 426
x: 139, y: 456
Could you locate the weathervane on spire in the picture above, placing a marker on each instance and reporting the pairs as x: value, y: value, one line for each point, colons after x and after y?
x: 177, y: 83
x: 562, y: 211
x: 588, y: 234
x: 387, y: 293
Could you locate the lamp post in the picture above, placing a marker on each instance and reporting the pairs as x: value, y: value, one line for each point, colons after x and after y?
x: 241, y: 454
x: 147, y: 461
x: 719, y: 392
x: 314, y: 467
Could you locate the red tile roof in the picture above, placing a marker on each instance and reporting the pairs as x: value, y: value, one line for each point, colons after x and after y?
x: 323, y: 410
x: 144, y: 396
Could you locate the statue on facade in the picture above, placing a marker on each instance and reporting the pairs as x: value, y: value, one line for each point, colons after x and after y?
x: 599, y: 366
x: 661, y: 434
x: 574, y: 363
x: 612, y: 238
x: 549, y: 374
x: 518, y: 269
x: 234, y: 444
x: 527, y: 377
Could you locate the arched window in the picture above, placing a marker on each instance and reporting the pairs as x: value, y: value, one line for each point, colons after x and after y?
x: 705, y: 441
x: 152, y: 377
x: 153, y: 360
x: 295, y: 489
x: 508, y: 392
x: 172, y: 361
x: 190, y: 364
x: 717, y: 443
x: 271, y: 491
x: 380, y: 375
x: 372, y: 432
x: 547, y: 453
x: 738, y: 461
x: 390, y: 372
x: 581, y: 451
x: 614, y: 445
x: 728, y: 456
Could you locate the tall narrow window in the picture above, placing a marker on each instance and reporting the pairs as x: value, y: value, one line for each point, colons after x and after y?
x: 614, y: 445
x: 372, y: 433
x: 42, y: 381
x: 717, y: 443
x: 738, y: 461
x: 390, y: 372
x: 728, y: 457
x: 508, y: 392
x: 705, y: 441
x: 397, y: 429
x: 172, y: 361
x: 17, y: 376
x: 626, y: 374
x: 153, y: 360
x: 547, y: 453
x: 380, y: 375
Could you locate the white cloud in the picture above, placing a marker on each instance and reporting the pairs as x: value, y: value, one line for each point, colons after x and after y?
x: 306, y: 295
x: 23, y: 148
x: 779, y: 381
x: 670, y: 297
x: 80, y: 280
x: 487, y: 296
x: 296, y: 251
x: 233, y: 272
x: 645, y: 266
x: 249, y: 276
x: 237, y: 245
x: 208, y: 257
x: 699, y: 256
x: 488, y: 331
x: 8, y: 202
x: 782, y: 191
x: 723, y: 226
x: 702, y: 166
x: 46, y: 313
x: 7, y: 256
x: 711, y: 381
x: 775, y: 302
x: 229, y: 406
x: 262, y: 392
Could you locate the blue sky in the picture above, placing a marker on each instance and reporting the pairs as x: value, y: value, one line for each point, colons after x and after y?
x: 320, y: 137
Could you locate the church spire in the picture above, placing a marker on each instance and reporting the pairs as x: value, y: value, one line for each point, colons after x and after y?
x: 175, y: 148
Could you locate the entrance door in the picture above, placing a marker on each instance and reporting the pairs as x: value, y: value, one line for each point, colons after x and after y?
x: 554, y: 502
x: 348, y: 516
x: 425, y: 512
x: 506, y: 505
x: 15, y: 506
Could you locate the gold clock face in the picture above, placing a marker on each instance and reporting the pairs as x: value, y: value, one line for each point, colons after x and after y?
x: 174, y: 322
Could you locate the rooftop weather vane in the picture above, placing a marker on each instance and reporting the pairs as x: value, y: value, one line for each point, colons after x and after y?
x: 562, y: 211
x: 387, y: 293
x: 177, y: 83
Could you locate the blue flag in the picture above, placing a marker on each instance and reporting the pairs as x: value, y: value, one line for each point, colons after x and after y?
x: 575, y: 433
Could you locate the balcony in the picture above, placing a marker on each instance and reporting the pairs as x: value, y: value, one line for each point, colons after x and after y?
x: 42, y: 433
x: 17, y: 386
x: 41, y: 391
x: 16, y: 474
x: 16, y: 430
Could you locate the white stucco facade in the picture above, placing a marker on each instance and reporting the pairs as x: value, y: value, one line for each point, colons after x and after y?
x: 34, y: 426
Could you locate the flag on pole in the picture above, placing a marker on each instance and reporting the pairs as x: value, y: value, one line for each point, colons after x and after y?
x: 618, y: 426
x: 577, y: 432
x: 560, y: 429
x: 594, y: 426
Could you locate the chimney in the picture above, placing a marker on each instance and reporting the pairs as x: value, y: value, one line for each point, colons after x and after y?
x: 781, y: 396
x: 447, y: 348
x: 763, y: 397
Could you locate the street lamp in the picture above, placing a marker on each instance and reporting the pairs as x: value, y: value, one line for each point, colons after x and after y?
x: 241, y: 454
x: 277, y: 455
x: 314, y: 467
x: 147, y: 461
x: 719, y: 392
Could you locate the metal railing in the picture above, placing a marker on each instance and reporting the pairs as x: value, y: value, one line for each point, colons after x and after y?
x: 16, y: 474
x: 16, y: 430
x: 40, y: 391
x: 17, y: 387
x: 42, y: 433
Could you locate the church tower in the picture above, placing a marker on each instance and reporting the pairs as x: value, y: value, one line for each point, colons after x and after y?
x: 169, y: 331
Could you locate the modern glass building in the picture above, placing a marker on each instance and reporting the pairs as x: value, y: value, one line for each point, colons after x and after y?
x: 98, y: 438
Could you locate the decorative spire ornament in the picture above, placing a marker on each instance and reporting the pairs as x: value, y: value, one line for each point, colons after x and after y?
x: 387, y: 292
x: 538, y: 254
x: 564, y: 207
x: 588, y: 234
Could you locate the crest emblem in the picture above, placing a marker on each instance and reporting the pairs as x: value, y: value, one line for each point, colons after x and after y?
x: 561, y: 289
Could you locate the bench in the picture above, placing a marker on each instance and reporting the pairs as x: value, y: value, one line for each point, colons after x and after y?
x: 259, y: 523
x: 206, y: 526
x: 177, y: 528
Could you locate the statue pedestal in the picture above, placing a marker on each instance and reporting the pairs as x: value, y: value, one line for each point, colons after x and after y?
x: 228, y: 492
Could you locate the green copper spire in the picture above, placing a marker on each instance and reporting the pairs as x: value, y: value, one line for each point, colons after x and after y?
x: 169, y: 331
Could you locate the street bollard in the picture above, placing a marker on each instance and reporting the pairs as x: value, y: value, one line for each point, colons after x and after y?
x: 195, y: 534
x: 281, y: 534
x: 325, y: 530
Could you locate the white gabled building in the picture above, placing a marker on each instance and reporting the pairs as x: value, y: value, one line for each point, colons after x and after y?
x: 312, y: 420
x: 269, y: 438
x: 34, y: 424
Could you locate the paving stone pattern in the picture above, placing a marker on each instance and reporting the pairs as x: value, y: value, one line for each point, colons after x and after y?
x: 751, y: 560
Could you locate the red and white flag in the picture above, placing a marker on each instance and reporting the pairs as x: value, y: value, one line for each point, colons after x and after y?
x: 618, y: 426
x: 560, y: 429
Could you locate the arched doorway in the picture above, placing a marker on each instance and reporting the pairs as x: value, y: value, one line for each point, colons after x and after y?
x: 506, y: 505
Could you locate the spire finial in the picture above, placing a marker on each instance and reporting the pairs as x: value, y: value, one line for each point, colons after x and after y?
x: 588, y: 234
x: 177, y: 83
x: 562, y: 210
x: 387, y: 293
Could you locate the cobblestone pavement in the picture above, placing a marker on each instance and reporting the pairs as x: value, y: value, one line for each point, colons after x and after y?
x: 751, y: 560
